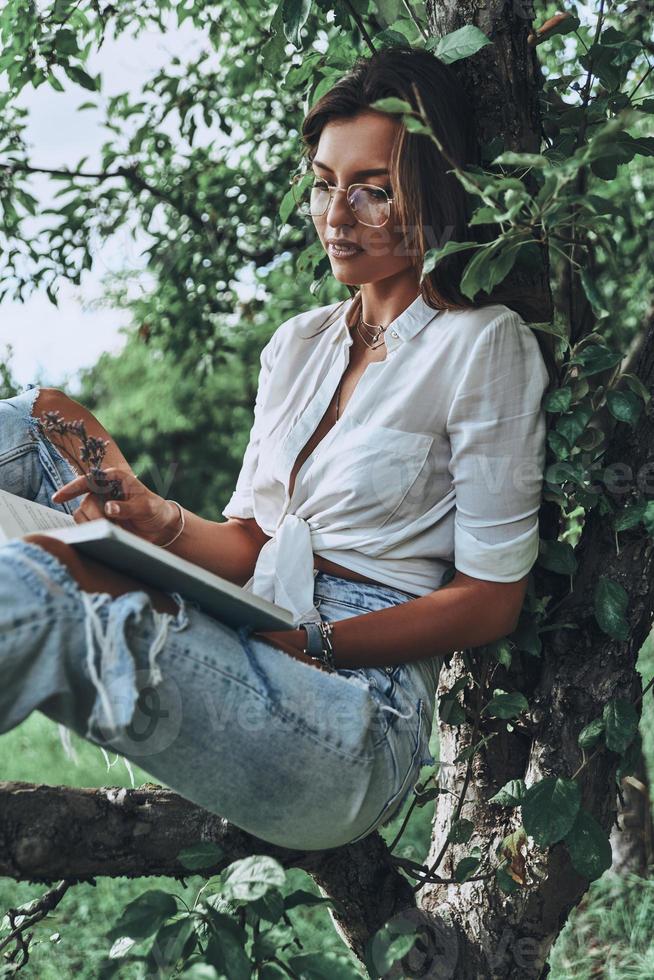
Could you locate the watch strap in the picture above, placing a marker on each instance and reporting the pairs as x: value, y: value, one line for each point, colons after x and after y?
x: 314, y: 638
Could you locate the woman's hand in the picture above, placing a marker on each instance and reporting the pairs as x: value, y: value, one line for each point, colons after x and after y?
x: 291, y: 641
x: 141, y: 511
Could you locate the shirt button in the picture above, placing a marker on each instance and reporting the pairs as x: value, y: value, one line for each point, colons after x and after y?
x: 389, y: 670
x: 393, y: 333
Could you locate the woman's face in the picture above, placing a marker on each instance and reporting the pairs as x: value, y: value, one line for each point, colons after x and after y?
x: 348, y: 149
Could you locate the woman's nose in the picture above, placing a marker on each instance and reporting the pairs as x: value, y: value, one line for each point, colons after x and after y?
x: 339, y: 211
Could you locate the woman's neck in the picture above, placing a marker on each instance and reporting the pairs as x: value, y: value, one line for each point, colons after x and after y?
x: 379, y: 306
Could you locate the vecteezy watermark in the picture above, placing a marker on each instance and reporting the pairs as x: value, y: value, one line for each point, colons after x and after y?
x: 156, y: 720
x: 433, y: 955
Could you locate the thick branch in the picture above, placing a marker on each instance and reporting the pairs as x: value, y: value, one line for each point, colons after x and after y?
x: 50, y: 833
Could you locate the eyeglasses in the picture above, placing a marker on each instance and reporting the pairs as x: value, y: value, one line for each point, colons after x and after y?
x: 371, y: 204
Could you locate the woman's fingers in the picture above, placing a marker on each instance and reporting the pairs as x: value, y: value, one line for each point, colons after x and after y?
x: 71, y: 490
x: 84, y: 484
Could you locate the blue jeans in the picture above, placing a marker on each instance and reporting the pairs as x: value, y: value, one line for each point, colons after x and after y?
x: 296, y: 756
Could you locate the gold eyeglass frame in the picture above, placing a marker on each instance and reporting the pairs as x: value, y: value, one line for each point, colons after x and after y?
x: 332, y: 190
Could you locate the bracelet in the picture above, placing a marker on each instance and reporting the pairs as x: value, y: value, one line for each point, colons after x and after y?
x: 181, y: 514
x: 319, y: 643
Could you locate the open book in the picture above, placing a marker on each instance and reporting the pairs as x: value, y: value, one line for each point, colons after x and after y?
x: 151, y: 564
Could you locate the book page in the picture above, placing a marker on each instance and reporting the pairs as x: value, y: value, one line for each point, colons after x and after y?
x: 19, y: 516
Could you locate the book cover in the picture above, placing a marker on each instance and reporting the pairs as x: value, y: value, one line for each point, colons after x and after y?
x: 124, y: 551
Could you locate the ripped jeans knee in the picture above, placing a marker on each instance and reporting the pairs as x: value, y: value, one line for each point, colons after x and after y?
x: 112, y: 658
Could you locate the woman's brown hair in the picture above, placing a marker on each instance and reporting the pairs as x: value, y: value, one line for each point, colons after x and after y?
x: 428, y: 200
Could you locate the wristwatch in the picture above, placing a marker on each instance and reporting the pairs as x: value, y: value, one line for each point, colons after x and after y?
x: 319, y: 645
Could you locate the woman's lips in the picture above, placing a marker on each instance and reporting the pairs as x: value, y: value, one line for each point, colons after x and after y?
x: 343, y: 252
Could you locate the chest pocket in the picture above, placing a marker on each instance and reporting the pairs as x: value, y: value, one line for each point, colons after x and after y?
x: 368, y: 467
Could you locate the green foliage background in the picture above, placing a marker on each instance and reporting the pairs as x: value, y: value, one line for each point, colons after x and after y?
x: 212, y: 201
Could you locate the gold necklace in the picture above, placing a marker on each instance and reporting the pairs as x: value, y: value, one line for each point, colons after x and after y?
x: 377, y: 329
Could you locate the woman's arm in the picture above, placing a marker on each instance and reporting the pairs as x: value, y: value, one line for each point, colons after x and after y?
x: 229, y: 548
x: 467, y: 612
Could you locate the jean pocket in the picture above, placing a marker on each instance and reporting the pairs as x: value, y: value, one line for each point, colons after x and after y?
x: 405, y: 772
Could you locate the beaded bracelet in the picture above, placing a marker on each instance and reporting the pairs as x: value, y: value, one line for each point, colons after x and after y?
x: 181, y: 513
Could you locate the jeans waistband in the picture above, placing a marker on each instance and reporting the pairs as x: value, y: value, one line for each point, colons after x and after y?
x: 363, y: 593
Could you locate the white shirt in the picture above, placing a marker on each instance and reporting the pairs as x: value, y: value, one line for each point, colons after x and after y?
x: 437, y: 459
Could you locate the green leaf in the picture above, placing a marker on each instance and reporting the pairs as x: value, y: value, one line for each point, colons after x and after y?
x: 610, y: 604
x: 557, y: 556
x: 458, y: 44
x: 226, y: 947
x: 416, y: 126
x: 591, y: 733
x: 511, y: 794
x: 636, y: 386
x: 596, y: 357
x: 294, y: 17
x: 589, y: 846
x: 630, y: 516
x: 563, y: 472
x: 526, y: 637
x: 558, y: 400
x: 65, y: 42
x: 549, y: 809
x: 204, y: 854
x: 624, y: 405
x: 269, y: 907
x: 330, y: 965
x: 621, y: 724
x: 505, y: 881
x: 501, y: 651
x: 593, y: 294
x: 80, y: 77
x: 522, y: 160
x: 484, y: 216
x: 488, y: 267
x: 287, y: 206
x: 465, y: 868
x: 144, y: 915
x: 572, y: 424
x: 392, y: 104
x: 434, y: 255
x: 302, y: 897
x: 505, y: 705
x: 54, y: 82
x: 559, y: 446
x: 251, y: 877
x: 450, y: 712
x: 171, y: 941
x: 461, y: 831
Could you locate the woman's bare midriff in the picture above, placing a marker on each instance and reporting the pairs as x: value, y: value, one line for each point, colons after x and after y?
x: 325, y: 565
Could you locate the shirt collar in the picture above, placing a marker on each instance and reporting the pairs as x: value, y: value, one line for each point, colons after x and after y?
x: 400, y: 330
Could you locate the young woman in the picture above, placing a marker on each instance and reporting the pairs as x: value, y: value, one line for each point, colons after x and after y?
x: 388, y: 497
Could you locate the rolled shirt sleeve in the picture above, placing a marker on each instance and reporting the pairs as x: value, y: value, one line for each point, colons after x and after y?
x: 240, y: 503
x: 496, y: 426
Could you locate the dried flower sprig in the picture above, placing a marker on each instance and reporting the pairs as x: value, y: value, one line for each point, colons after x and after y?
x: 92, y: 451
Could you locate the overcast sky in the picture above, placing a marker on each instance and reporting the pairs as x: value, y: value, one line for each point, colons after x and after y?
x: 53, y: 343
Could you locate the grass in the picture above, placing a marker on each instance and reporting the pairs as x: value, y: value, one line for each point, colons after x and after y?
x: 71, y: 942
x: 608, y: 935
